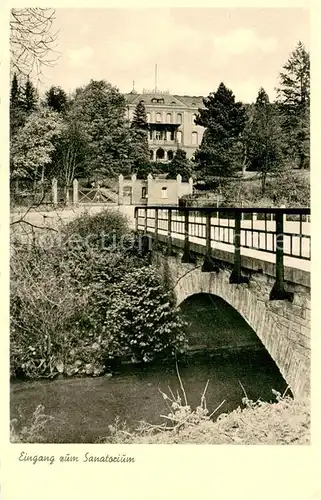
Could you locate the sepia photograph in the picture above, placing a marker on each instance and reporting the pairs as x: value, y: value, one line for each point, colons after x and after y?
x: 160, y: 227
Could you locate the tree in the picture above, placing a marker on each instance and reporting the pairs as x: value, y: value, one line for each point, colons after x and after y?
x: 17, y: 114
x: 15, y: 91
x: 264, y: 138
x: 72, y: 150
x: 32, y: 40
x: 293, y: 97
x: 140, y: 117
x: 179, y: 165
x: 139, y: 141
x: 223, y: 119
x: 101, y: 108
x: 56, y: 98
x: 32, y: 147
x: 29, y: 97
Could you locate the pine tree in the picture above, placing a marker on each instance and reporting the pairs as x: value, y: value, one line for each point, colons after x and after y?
x: 223, y: 119
x: 179, y: 165
x: 29, y: 97
x: 139, y: 141
x: 15, y: 91
x: 17, y: 115
x: 140, y: 118
x: 56, y: 98
x: 293, y: 97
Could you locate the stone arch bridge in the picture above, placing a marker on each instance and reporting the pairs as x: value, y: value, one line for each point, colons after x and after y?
x: 257, y: 263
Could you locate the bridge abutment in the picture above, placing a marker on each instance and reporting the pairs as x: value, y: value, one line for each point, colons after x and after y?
x: 282, y: 326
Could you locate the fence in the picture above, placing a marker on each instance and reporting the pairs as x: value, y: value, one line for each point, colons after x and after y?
x: 262, y: 230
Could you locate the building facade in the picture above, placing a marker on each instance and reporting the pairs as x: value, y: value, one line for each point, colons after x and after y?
x: 153, y: 190
x: 171, y: 122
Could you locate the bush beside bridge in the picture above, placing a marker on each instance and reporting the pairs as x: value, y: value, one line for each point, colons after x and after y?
x: 75, y: 306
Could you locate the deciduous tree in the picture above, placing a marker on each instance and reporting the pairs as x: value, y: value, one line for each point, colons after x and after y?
x: 264, y: 147
x: 32, y: 147
x: 56, y: 98
x: 101, y: 109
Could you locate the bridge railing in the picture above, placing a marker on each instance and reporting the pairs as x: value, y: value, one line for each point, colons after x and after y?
x: 284, y: 232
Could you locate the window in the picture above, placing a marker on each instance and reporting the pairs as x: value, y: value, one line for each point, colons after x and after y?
x: 164, y: 192
x: 179, y: 136
x: 157, y: 135
x: 194, y: 138
x: 151, y: 155
x: 169, y: 117
x: 148, y: 117
x: 161, y: 101
x: 179, y: 117
x: 158, y: 117
x: 144, y: 191
x: 154, y: 100
x: 170, y: 155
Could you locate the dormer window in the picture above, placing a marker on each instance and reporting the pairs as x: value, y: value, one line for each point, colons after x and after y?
x: 154, y: 100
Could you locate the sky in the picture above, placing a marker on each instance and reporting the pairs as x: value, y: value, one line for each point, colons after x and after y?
x: 194, y: 48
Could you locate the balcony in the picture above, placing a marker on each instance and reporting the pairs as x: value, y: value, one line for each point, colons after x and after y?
x: 164, y: 124
x: 164, y: 142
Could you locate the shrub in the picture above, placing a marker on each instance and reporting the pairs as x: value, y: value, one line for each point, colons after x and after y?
x: 138, y: 317
x: 34, y: 432
x: 102, y: 229
x: 289, y: 188
x: 75, y: 306
x: 45, y: 312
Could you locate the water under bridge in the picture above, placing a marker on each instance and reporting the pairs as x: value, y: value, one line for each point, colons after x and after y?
x: 256, y: 260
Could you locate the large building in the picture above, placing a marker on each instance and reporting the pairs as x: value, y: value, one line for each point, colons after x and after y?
x: 171, y: 122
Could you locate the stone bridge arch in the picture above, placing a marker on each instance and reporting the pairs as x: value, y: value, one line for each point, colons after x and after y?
x: 282, y: 326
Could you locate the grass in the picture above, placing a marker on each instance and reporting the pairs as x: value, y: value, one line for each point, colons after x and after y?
x: 285, y: 422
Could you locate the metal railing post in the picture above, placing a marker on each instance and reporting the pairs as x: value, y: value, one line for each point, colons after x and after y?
x: 145, y: 223
x: 186, y: 254
x: 278, y: 292
x: 236, y: 275
x: 156, y: 228
x: 136, y: 211
x: 169, y: 231
x: 208, y: 265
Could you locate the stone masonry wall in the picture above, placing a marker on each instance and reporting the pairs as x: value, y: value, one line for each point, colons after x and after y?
x: 283, y: 327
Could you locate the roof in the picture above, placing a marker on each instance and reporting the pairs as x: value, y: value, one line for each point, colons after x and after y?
x: 191, y: 101
x: 165, y: 99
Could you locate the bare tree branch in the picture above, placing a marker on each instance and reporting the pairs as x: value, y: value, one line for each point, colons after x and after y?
x: 32, y: 40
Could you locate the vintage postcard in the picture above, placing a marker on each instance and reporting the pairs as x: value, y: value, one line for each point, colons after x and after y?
x: 157, y: 172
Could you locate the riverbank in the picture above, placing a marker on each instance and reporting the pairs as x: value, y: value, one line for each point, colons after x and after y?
x: 84, y: 410
x: 286, y: 422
